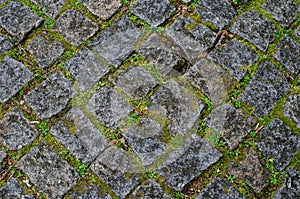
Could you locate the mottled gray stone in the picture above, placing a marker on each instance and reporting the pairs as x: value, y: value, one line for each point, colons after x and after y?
x: 86, y: 68
x: 283, y: 11
x: 255, y: 28
x: 48, y: 171
x: 102, y: 8
x: 2, y: 156
x: 189, y: 160
x: 51, y: 96
x: 278, y: 141
x: 89, y: 192
x: 50, y: 7
x: 287, y: 52
x: 143, y: 139
x: 18, y: 20
x: 75, y: 27
x: 45, y: 50
x: 109, y: 107
x: 173, y: 102
x: 211, y: 80
x: 13, y: 76
x: 234, y: 57
x: 297, y: 32
x: 220, y: 188
x: 217, y: 12
x: 266, y: 87
x: 16, y: 131
x: 233, y: 124
x: 12, y: 189
x: 5, y: 44
x: 136, y: 83
x: 117, y: 171
x: 292, y: 109
x: 116, y: 43
x: 155, y: 12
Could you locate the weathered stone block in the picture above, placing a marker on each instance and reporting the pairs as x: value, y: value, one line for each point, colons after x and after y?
x: 12, y: 189
x: 5, y: 44
x: 292, y: 109
x: 50, y: 7
x: 102, y: 8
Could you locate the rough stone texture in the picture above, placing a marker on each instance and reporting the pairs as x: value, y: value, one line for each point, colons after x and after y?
x: 211, y: 80
x: 277, y: 141
x: 193, y: 42
x: 116, y: 43
x: 15, y: 130
x: 45, y: 50
x: 283, y: 11
x: 233, y: 124
x: 292, y: 109
x: 117, y: 171
x: 173, y: 102
x: 143, y: 139
x: 50, y: 7
x: 89, y: 192
x: 85, y: 142
x: 2, y: 155
x: 297, y: 32
x: 13, y: 76
x: 252, y: 171
x: 109, y: 107
x: 188, y: 161
x: 288, y: 54
x: 234, y: 57
x: 5, y: 44
x: 75, y: 27
x: 220, y: 188
x: 102, y: 8
x: 155, y: 12
x: 18, y: 20
x: 48, y: 171
x: 13, y: 190
x: 136, y: 83
x: 266, y: 87
x: 291, y: 186
x: 217, y: 12
x: 86, y: 68
x: 255, y: 28
x: 51, y: 96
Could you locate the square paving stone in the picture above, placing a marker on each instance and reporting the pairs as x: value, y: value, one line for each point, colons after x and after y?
x: 217, y: 12
x: 45, y: 50
x: 18, y: 20
x: 50, y: 7
x: 89, y: 192
x: 86, y: 68
x: 16, y: 131
x: 5, y: 44
x: 13, y: 76
x: 117, y: 171
x: 75, y: 27
x: 233, y: 124
x: 109, y: 107
x: 292, y: 109
x: 102, y: 8
x: 116, y: 43
x: 171, y: 101
x: 189, y: 160
x: 12, y: 189
x: 51, y: 96
x: 79, y: 135
x: 234, y: 57
x: 266, y: 87
x: 155, y: 12
x: 278, y: 141
x: 48, y: 171
x: 255, y: 28
x: 287, y: 52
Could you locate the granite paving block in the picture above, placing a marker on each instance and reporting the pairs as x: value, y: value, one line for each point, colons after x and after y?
x: 116, y: 43
x: 18, y: 20
x: 109, y: 107
x: 233, y: 124
x: 277, y: 141
x: 48, y: 171
x: 234, y: 57
x: 45, y: 50
x: 175, y: 103
x: 155, y: 12
x: 102, y: 8
x: 51, y: 96
x: 297, y: 32
x: 13, y: 76
x: 15, y: 130
x: 255, y: 28
x: 266, y: 87
x: 189, y: 160
x: 292, y: 109
x: 12, y: 189
x: 89, y: 192
x: 2, y: 155
x: 50, y: 7
x: 5, y: 44
x: 75, y: 27
x: 86, y: 68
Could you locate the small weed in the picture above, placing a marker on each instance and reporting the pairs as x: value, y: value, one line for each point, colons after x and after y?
x: 125, y: 3
x: 208, y: 103
x: 134, y: 117
x: 160, y: 30
x: 44, y: 127
x: 179, y: 195
x: 219, y: 142
x: 237, y: 104
x: 231, y: 178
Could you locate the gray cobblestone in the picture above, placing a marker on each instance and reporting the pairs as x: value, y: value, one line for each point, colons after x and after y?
x: 50, y: 7
x: 13, y: 190
x: 89, y: 192
x: 102, y: 8
x: 292, y: 109
x: 5, y: 44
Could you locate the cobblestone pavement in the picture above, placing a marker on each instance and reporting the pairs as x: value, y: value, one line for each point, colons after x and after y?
x: 150, y: 99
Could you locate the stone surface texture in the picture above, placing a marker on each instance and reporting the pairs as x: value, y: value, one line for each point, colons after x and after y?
x: 5, y: 44
x: 292, y: 109
x: 50, y: 7
x: 2, y: 155
x: 13, y: 190
x: 89, y: 192
x: 102, y: 8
